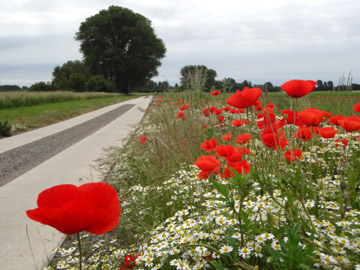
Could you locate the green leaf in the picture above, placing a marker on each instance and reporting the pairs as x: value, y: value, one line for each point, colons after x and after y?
x: 228, y: 237
x: 217, y: 265
x: 222, y: 189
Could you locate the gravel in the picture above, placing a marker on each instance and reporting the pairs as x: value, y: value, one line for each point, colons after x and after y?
x: 17, y: 161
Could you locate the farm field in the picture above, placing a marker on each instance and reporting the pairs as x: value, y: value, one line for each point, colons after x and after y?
x: 205, y: 185
x: 28, y: 110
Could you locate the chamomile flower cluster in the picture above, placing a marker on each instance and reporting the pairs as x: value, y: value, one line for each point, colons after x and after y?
x: 207, y: 229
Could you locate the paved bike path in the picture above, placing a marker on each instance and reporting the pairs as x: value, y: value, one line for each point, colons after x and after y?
x: 25, y: 244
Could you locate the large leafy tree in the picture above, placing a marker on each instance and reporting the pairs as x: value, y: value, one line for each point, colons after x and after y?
x: 122, y: 46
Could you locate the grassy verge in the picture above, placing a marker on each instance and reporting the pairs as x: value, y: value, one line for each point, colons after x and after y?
x: 30, y: 117
x: 24, y: 99
x: 275, y: 214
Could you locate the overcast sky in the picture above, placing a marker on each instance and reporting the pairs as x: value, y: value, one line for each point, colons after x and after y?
x: 257, y: 40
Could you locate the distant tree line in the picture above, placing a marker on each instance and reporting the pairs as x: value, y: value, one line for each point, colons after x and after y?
x: 12, y: 87
x: 76, y: 76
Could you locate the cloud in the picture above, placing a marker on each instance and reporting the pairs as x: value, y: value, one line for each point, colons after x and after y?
x: 256, y: 40
x: 41, y: 49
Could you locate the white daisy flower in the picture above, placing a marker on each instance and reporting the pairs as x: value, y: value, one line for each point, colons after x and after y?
x: 226, y: 249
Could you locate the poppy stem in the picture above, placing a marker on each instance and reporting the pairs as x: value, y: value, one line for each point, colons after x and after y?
x: 80, y: 253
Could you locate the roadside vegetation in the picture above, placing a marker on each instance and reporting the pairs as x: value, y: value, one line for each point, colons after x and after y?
x: 23, y: 111
x: 206, y: 185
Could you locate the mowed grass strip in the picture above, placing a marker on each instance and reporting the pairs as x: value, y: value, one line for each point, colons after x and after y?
x: 30, y: 117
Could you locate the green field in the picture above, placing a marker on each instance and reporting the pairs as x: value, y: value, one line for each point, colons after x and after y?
x: 336, y: 102
x: 25, y: 111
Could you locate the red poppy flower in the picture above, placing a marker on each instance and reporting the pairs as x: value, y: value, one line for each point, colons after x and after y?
x: 356, y: 107
x: 220, y: 118
x: 226, y: 137
x: 238, y: 122
x: 208, y: 145
x: 225, y: 150
x: 233, y: 111
x: 241, y: 167
x: 245, y: 98
x: 289, y: 118
x: 92, y: 207
x: 268, y: 116
x: 143, y: 139
x: 311, y: 116
x: 351, y: 123
x: 298, y: 88
x: 293, y: 155
x: 344, y: 142
x: 273, y: 128
x: 236, y: 156
x: 180, y: 115
x: 273, y: 141
x: 327, y: 132
x: 215, y: 93
x: 207, y: 165
x: 227, y: 108
x: 211, y: 109
x: 184, y: 107
x: 129, y: 265
x: 304, y: 133
x: 335, y: 120
x: 258, y: 106
x: 217, y: 111
x: 243, y: 138
x: 206, y: 112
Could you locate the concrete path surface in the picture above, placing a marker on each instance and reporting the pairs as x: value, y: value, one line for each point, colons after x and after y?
x: 26, y: 244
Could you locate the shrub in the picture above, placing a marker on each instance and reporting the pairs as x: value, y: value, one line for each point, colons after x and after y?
x: 5, y: 129
x: 41, y: 86
x: 77, y: 82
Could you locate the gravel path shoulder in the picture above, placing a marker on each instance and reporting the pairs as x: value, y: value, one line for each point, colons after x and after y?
x: 17, y: 161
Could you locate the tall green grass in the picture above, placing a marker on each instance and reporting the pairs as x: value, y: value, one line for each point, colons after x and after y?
x: 25, y: 99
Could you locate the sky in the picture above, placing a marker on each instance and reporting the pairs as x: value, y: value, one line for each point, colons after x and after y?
x: 255, y: 40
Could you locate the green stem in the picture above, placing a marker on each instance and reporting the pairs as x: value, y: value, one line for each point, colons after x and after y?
x: 80, y: 253
x: 305, y: 210
x: 204, y: 245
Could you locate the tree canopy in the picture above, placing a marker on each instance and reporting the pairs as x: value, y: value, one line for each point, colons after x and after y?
x: 122, y: 46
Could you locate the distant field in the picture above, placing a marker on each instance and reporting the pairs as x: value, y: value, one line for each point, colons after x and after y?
x: 337, y: 102
x: 28, y: 110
